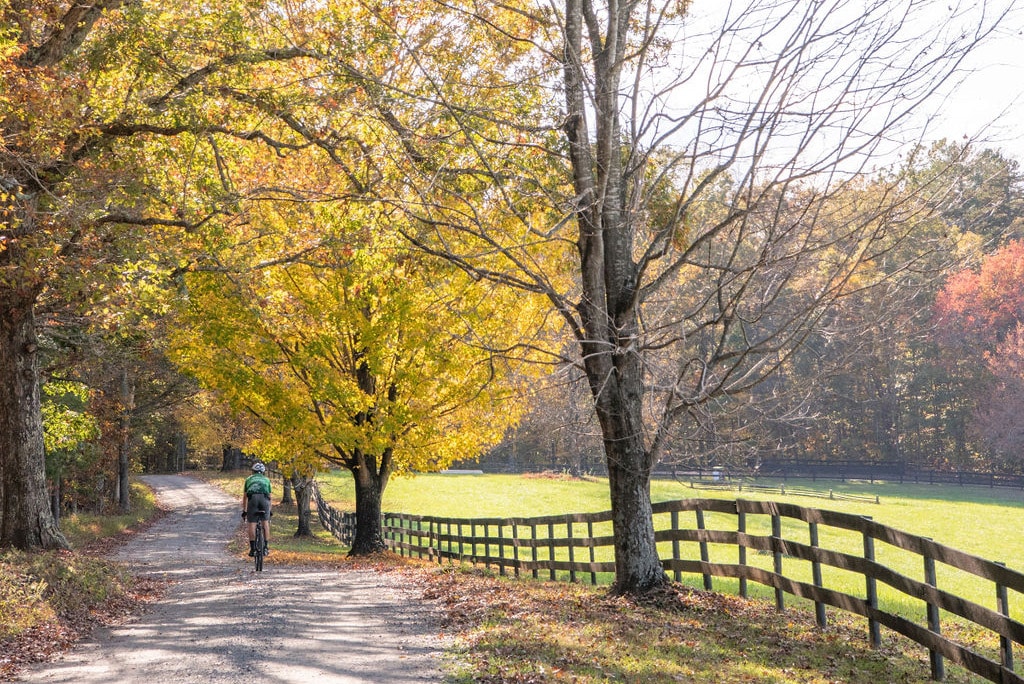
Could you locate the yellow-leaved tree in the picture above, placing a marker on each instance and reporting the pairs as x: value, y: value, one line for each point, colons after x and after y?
x: 354, y: 350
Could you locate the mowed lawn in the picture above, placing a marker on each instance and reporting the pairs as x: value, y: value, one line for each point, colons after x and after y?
x: 981, y: 521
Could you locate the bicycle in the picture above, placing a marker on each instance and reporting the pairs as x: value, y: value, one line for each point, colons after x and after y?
x: 259, y: 553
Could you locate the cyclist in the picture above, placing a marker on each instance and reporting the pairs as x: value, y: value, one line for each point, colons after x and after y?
x: 255, y: 499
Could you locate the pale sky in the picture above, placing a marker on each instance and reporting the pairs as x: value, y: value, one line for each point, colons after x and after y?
x: 993, y: 92
x: 983, y: 102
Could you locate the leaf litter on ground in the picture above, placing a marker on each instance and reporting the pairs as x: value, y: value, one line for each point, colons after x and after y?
x: 521, y: 630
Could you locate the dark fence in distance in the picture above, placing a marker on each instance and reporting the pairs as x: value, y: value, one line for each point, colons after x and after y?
x: 785, y: 469
x: 783, y: 490
x: 568, y: 546
x: 890, y: 471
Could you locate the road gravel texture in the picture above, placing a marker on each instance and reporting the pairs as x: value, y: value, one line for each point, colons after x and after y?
x: 222, y: 623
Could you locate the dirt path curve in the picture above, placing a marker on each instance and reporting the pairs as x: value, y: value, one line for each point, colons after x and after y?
x: 222, y: 623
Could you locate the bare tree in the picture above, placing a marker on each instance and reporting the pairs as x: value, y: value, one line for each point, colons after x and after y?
x: 705, y: 154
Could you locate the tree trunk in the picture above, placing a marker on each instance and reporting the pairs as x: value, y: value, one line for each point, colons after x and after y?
x: 616, y: 382
x: 303, y: 497
x: 607, y: 309
x: 127, y: 405
x: 286, y: 492
x: 637, y: 564
x: 232, y: 458
x: 180, y: 453
x: 26, y: 521
x: 370, y: 486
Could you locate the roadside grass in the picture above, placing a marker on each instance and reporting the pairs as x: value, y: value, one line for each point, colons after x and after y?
x: 50, y: 599
x: 85, y: 529
x: 977, y: 520
x: 530, y: 631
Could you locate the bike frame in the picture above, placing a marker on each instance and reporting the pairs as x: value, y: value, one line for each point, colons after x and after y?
x: 258, y: 555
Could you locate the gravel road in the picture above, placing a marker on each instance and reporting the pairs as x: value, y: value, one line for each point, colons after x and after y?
x: 222, y: 623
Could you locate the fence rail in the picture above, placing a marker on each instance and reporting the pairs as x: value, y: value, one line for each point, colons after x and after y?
x: 341, y: 525
x: 578, y: 547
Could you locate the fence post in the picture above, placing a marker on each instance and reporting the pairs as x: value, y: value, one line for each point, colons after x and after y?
x: 501, y: 548
x: 704, y: 558
x: 934, y: 623
x: 741, y: 528
x: 572, y: 550
x: 432, y: 543
x: 438, y: 536
x: 777, y: 558
x: 408, y: 537
x: 874, y: 629
x: 515, y: 549
x: 472, y: 531
x: 1005, y: 643
x: 444, y: 540
x: 593, y: 558
x: 674, y: 517
x: 431, y: 536
x: 486, y: 546
x: 533, y: 553
x: 819, y: 607
x: 551, y: 550
x: 450, y: 547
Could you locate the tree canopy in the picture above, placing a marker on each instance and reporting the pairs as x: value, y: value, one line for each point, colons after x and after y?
x: 359, y: 352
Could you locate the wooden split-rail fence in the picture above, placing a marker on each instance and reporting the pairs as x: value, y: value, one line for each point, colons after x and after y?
x: 761, y: 537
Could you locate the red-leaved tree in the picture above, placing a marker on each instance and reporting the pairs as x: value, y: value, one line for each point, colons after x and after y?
x: 976, y: 310
x: 980, y: 327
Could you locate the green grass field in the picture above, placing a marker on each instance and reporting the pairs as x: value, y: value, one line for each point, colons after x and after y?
x: 980, y: 521
x: 542, y: 631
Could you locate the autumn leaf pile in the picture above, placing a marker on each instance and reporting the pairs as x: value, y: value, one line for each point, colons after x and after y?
x: 48, y: 601
x: 525, y: 631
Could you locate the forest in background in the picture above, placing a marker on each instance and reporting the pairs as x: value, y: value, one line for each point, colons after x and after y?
x: 928, y: 372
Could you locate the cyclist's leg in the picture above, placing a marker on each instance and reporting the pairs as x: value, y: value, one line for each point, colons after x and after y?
x: 250, y: 515
x: 252, y: 538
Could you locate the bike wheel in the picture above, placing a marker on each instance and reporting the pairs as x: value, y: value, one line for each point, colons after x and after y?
x: 258, y: 556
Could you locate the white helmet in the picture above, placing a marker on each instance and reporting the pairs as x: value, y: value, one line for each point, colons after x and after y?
x: 258, y: 467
